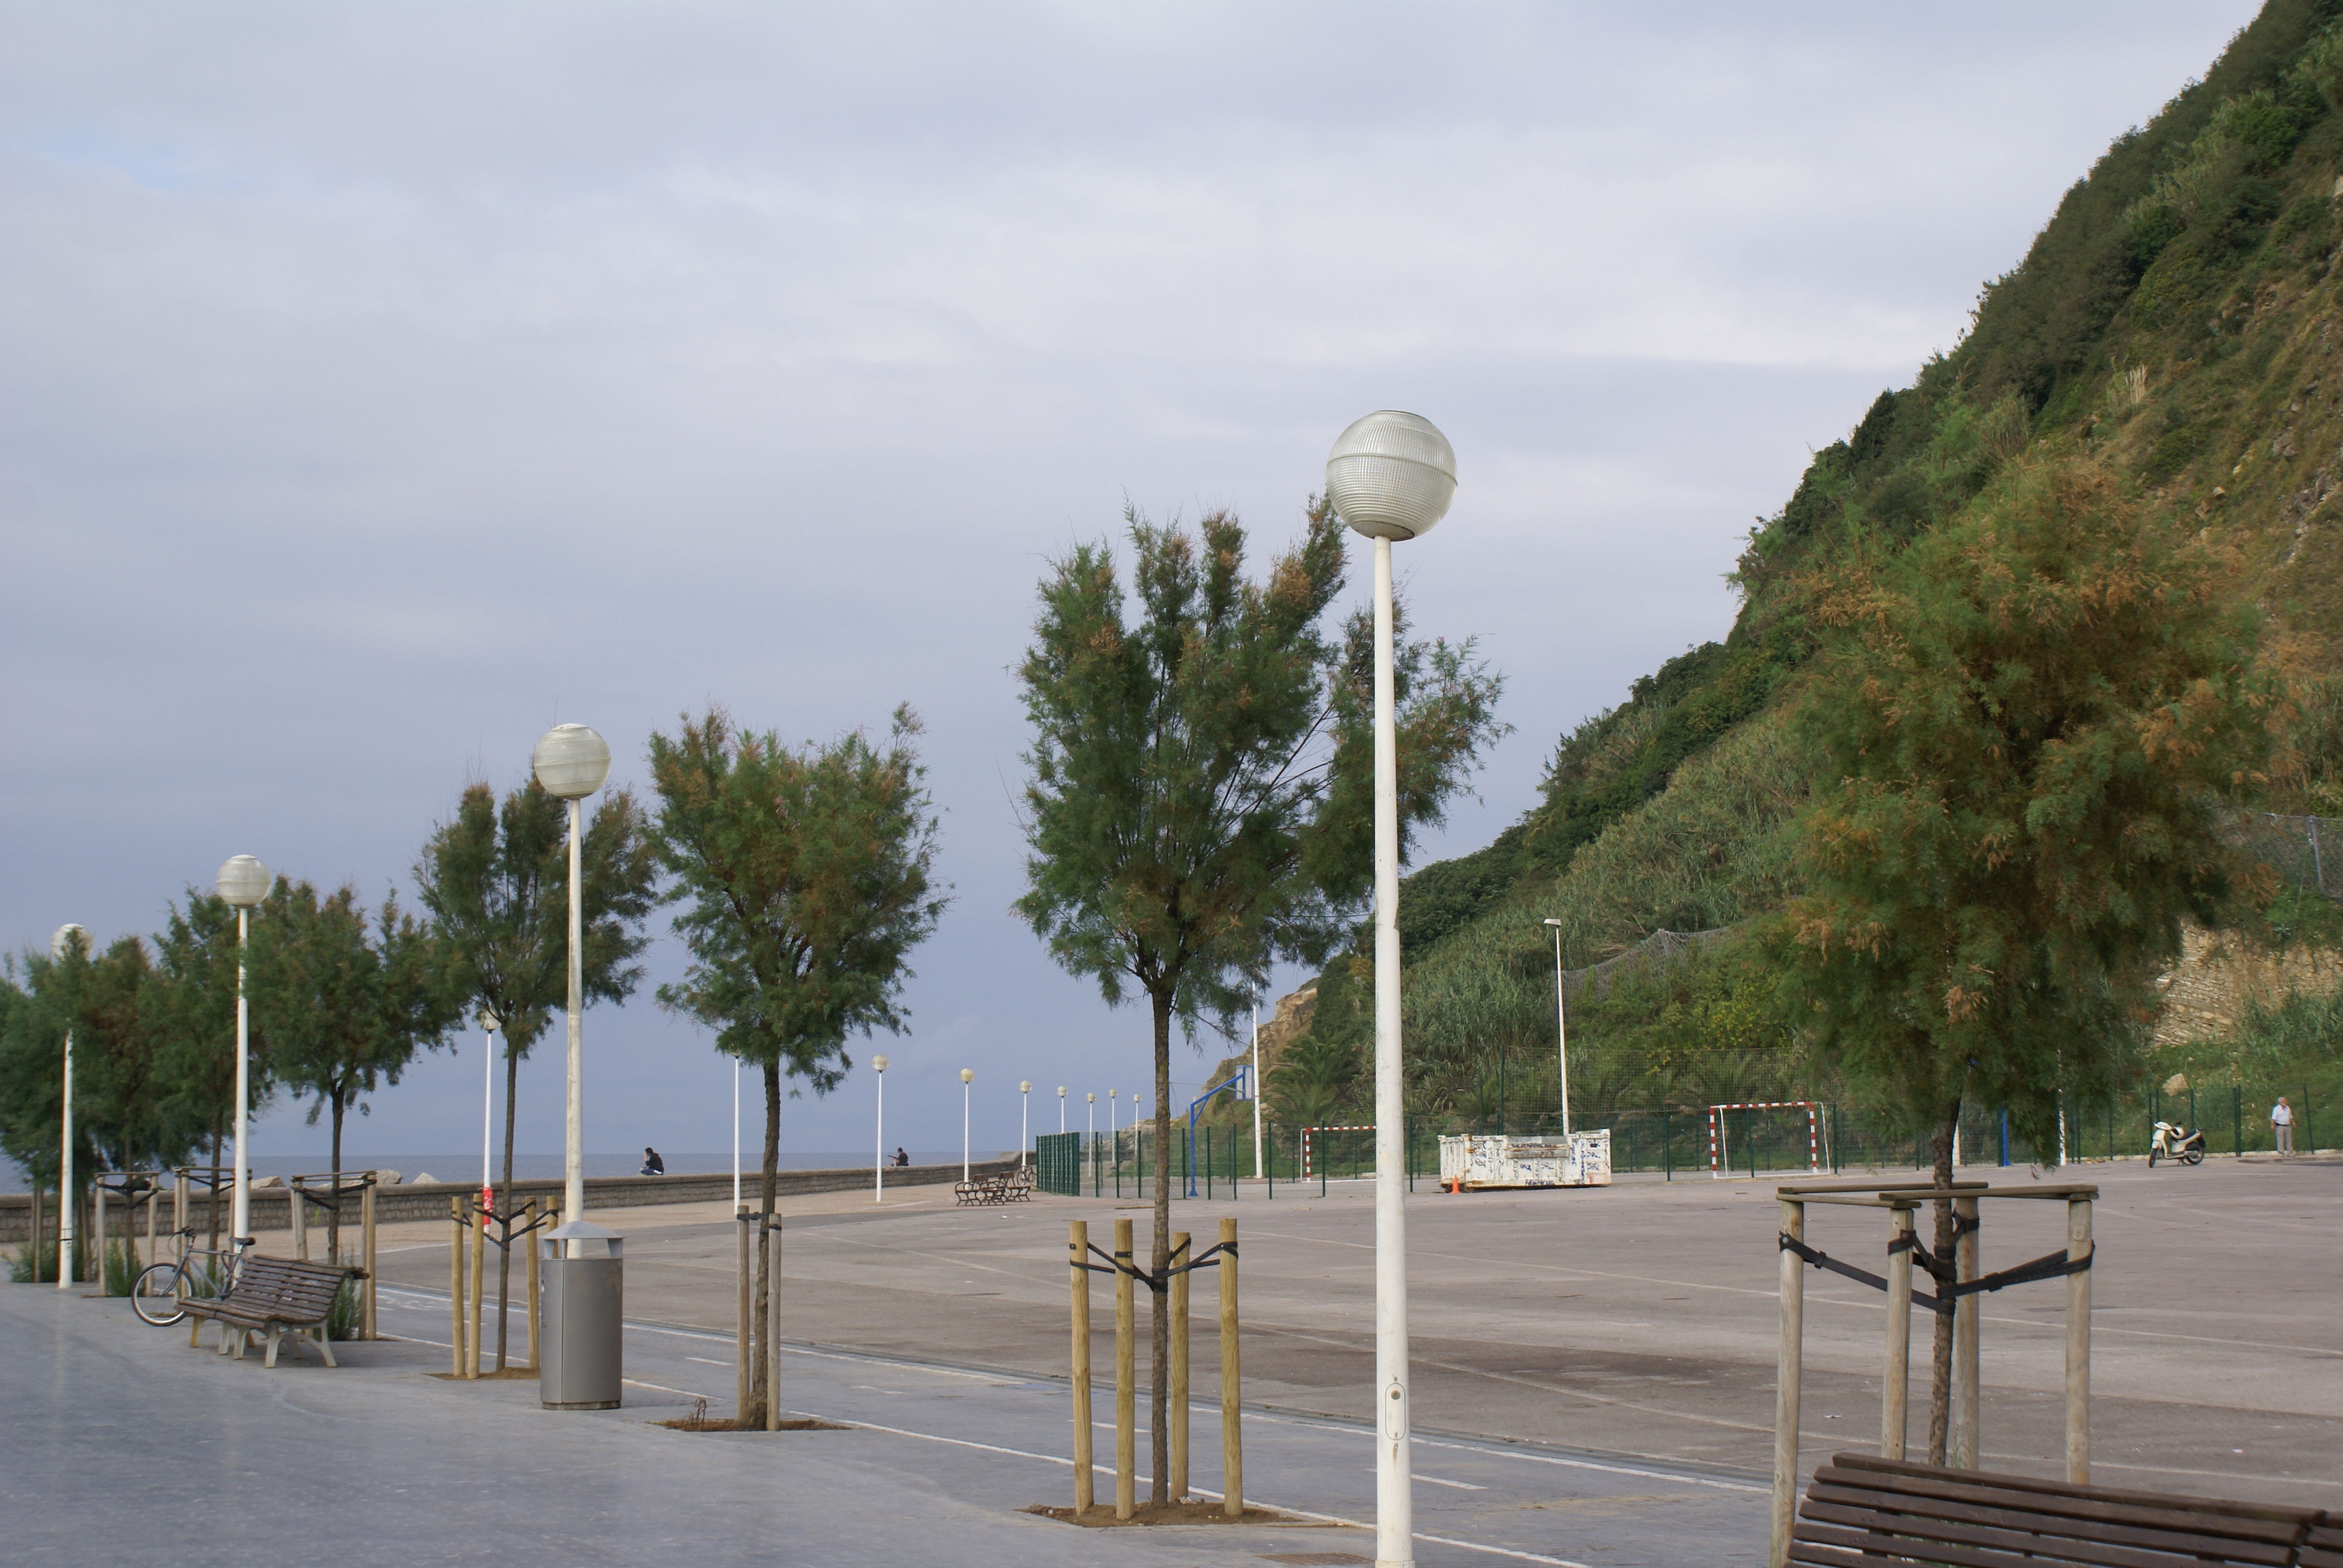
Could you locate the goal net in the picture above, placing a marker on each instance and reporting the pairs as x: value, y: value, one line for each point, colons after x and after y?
x: 1754, y: 1137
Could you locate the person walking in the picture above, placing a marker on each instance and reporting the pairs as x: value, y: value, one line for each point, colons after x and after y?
x: 2282, y: 1126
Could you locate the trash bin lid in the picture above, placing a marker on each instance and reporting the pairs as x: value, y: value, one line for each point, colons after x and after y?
x: 586, y: 1231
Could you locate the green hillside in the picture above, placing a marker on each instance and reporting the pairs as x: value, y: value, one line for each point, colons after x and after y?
x: 2176, y: 320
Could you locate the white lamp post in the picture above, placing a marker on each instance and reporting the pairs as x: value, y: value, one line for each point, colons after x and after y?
x: 879, y: 1149
x: 1561, y: 1032
x: 571, y: 762
x: 967, y: 1077
x: 1089, y: 1124
x: 1256, y: 1090
x: 1391, y: 476
x: 1024, y: 1102
x: 243, y: 881
x: 487, y: 1021
x: 1061, y: 1108
x: 68, y: 939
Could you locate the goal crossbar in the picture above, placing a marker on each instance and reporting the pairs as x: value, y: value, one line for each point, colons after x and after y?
x: 1720, y: 1163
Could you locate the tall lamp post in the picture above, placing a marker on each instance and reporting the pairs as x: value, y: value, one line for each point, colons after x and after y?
x: 1391, y: 476
x: 879, y: 1148
x: 1061, y: 1108
x: 67, y: 939
x: 1560, y: 1030
x: 1024, y: 1102
x: 487, y: 1022
x: 967, y: 1077
x: 1256, y: 1090
x: 571, y: 762
x: 243, y: 881
x: 1090, y: 1125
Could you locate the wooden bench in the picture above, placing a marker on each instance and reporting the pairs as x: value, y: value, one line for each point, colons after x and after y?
x: 1008, y: 1187
x: 277, y: 1295
x: 1867, y: 1510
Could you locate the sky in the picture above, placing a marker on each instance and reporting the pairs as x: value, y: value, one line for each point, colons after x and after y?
x: 382, y: 386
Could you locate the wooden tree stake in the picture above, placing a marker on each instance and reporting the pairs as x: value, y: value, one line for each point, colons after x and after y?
x: 1232, y: 1382
x: 1126, y: 1379
x: 1078, y: 1254
x: 1179, y: 1400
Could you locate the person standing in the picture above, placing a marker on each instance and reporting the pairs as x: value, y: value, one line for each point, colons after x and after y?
x: 2282, y: 1126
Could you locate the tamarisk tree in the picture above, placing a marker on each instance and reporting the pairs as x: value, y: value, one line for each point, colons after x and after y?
x: 1201, y: 794
x: 2025, y: 728
x: 495, y: 881
x: 804, y: 876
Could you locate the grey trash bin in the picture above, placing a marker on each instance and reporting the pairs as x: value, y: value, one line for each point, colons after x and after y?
x: 584, y: 1302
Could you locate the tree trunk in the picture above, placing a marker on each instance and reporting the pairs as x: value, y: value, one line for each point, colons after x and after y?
x: 1940, y: 1345
x: 1159, y: 1391
x: 760, y: 1315
x: 504, y: 1258
x: 334, y: 1214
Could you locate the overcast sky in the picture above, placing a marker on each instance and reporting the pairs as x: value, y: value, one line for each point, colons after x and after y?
x: 381, y: 386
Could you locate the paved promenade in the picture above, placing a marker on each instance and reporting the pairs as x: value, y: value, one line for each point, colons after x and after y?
x: 1593, y: 1373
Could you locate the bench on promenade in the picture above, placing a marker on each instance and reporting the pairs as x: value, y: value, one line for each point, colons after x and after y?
x: 275, y: 1295
x: 1008, y: 1187
x: 1864, y: 1511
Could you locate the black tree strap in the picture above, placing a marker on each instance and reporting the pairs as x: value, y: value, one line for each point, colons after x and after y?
x: 1116, y: 1264
x: 2049, y: 1266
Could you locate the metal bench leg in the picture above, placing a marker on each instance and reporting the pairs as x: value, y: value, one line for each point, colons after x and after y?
x: 324, y: 1341
x: 268, y: 1358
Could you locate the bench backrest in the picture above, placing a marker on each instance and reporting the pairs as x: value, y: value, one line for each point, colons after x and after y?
x: 286, y: 1287
x: 2325, y: 1547
x: 1861, y: 1510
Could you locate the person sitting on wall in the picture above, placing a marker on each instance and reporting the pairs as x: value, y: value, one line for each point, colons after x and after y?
x: 902, y: 1159
x: 652, y: 1164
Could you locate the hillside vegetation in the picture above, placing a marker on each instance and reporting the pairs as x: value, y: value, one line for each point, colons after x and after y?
x: 2176, y: 322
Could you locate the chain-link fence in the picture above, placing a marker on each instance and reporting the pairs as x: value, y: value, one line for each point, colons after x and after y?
x: 2297, y: 848
x: 1780, y: 1138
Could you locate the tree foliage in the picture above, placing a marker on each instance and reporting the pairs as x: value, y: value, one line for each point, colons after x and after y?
x: 1201, y: 797
x: 2023, y: 727
x: 806, y: 879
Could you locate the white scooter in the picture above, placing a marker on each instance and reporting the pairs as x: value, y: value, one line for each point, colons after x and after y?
x: 2171, y: 1143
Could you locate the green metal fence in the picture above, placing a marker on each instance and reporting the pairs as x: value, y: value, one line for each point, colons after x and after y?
x: 1779, y: 1139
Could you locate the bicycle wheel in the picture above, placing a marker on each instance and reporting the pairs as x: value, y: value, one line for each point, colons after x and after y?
x: 155, y: 1295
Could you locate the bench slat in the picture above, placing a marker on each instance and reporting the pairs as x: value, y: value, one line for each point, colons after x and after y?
x: 2240, y: 1521
x: 2117, y: 1529
x: 1861, y: 1510
x: 2107, y: 1547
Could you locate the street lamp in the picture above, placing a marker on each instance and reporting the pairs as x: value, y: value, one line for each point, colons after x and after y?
x: 1561, y: 1032
x: 967, y: 1077
x: 1061, y: 1108
x: 879, y: 1149
x: 243, y: 881
x: 1256, y: 1088
x: 1024, y: 1101
x: 487, y: 1022
x: 1090, y: 1097
x: 1391, y: 476
x: 69, y: 937
x: 571, y: 762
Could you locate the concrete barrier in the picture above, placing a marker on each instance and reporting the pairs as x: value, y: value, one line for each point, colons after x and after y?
x: 271, y: 1208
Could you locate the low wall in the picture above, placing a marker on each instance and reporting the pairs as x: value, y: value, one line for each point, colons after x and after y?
x: 271, y: 1206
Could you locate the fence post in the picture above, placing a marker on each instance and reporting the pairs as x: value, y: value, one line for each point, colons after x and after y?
x: 1788, y: 1365
x: 455, y: 1285
x: 1179, y: 1400
x: 743, y: 1305
x: 535, y: 1251
x: 1896, y: 1390
x: 1232, y: 1382
x: 773, y: 1356
x: 1667, y: 1153
x: 479, y: 1255
x: 2310, y: 1127
x: 1078, y: 1257
x: 2237, y: 1119
x: 1125, y: 1376
x: 1965, y: 1413
x: 2078, y: 1345
x: 365, y: 1243
x: 299, y: 1210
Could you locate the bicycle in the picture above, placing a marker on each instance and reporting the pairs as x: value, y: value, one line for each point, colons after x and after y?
x: 160, y: 1292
